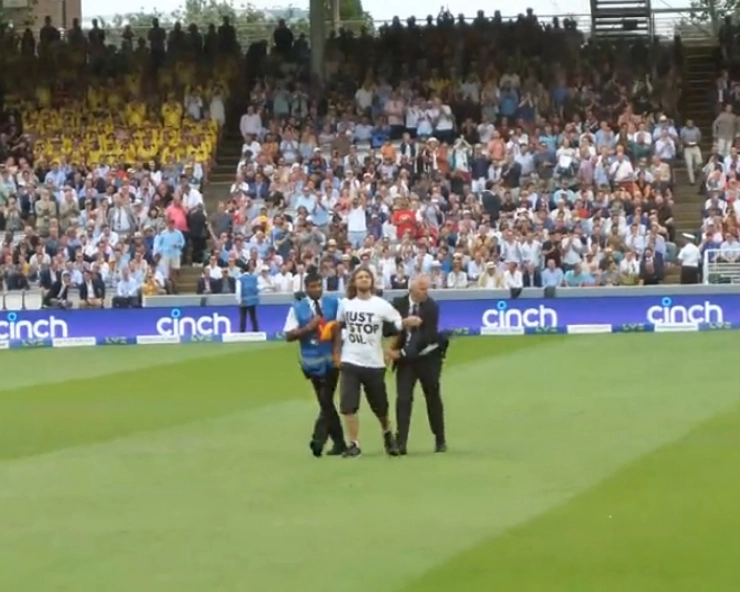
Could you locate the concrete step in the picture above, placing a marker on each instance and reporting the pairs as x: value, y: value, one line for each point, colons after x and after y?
x: 228, y: 160
x: 222, y: 178
x: 188, y: 281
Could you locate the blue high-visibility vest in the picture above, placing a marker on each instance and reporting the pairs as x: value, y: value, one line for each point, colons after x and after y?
x: 250, y: 294
x: 316, y: 356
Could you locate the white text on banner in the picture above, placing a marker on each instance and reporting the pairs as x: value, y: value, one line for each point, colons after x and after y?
x: 73, y: 341
x: 243, y: 337
x: 587, y: 329
x: 502, y: 331
x: 157, y: 339
x: 675, y: 327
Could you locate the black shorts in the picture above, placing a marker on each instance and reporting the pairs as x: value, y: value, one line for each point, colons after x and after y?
x: 358, y: 378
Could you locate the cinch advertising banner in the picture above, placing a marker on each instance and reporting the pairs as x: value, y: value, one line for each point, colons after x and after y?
x: 472, y: 315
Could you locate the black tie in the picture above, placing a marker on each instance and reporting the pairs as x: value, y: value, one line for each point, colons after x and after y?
x: 415, y: 310
x: 317, y: 308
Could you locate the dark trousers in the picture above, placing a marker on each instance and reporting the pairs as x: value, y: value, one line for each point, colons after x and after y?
x: 199, y: 248
x: 427, y: 370
x: 690, y: 275
x: 327, y: 425
x: 252, y: 312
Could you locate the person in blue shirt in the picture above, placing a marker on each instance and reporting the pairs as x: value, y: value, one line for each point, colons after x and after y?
x: 312, y: 321
x: 248, y: 297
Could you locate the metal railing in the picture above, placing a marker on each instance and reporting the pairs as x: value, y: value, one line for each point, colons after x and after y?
x: 721, y: 266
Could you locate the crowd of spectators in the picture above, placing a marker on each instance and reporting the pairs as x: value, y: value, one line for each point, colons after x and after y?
x: 485, y: 153
x: 720, y: 173
x: 104, y: 151
x: 488, y: 153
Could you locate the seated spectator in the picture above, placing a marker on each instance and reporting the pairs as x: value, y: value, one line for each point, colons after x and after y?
x: 92, y: 291
x: 60, y: 293
x: 128, y: 291
x: 463, y: 173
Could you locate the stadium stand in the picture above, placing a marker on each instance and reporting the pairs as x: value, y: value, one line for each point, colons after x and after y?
x: 716, y: 103
x: 488, y: 153
x: 100, y: 147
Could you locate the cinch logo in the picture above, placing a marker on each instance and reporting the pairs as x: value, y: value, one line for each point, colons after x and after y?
x: 178, y: 325
x: 667, y: 312
x: 13, y: 327
x: 503, y: 316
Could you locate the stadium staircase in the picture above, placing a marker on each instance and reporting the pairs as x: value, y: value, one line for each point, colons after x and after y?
x: 699, y: 72
x: 222, y: 173
x: 217, y: 189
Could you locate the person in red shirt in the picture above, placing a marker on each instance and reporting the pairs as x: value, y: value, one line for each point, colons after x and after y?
x: 404, y: 219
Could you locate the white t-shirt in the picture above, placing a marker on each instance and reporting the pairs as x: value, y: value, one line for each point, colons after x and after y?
x: 363, y: 336
x: 446, y: 120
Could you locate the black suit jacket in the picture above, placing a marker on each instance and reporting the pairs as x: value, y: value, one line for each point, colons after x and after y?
x: 219, y: 284
x: 201, y: 285
x: 98, y: 290
x: 47, y: 280
x: 423, y: 336
x: 56, y: 292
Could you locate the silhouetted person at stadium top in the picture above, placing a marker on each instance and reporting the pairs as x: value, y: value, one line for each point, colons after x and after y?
x: 227, y: 37
x: 283, y: 38
x: 48, y: 35
x: 157, y: 38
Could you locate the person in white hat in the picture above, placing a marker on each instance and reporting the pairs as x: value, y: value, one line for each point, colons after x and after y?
x: 690, y: 258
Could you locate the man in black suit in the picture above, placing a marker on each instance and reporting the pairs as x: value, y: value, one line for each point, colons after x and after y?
x: 226, y: 284
x: 205, y: 283
x: 58, y: 295
x: 418, y: 356
x: 92, y: 291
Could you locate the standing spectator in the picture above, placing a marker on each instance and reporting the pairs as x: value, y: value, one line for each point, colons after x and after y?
x: 169, y: 246
x: 725, y: 130
x: 248, y: 297
x: 690, y: 259
x: 691, y: 137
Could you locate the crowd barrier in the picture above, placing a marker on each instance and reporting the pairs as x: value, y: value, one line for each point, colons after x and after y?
x: 720, y: 266
x: 464, y: 312
x: 455, y: 332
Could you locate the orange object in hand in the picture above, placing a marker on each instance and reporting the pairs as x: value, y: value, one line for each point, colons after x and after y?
x: 326, y: 330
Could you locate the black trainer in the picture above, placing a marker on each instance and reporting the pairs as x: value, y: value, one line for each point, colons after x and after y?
x: 389, y: 442
x: 337, y: 450
x: 401, y: 445
x: 353, y: 451
x: 440, y: 447
x: 317, y: 448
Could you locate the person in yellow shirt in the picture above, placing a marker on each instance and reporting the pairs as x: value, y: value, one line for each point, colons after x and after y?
x: 150, y: 287
x: 171, y: 112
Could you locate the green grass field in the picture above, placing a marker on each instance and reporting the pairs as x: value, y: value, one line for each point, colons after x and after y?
x: 602, y: 463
